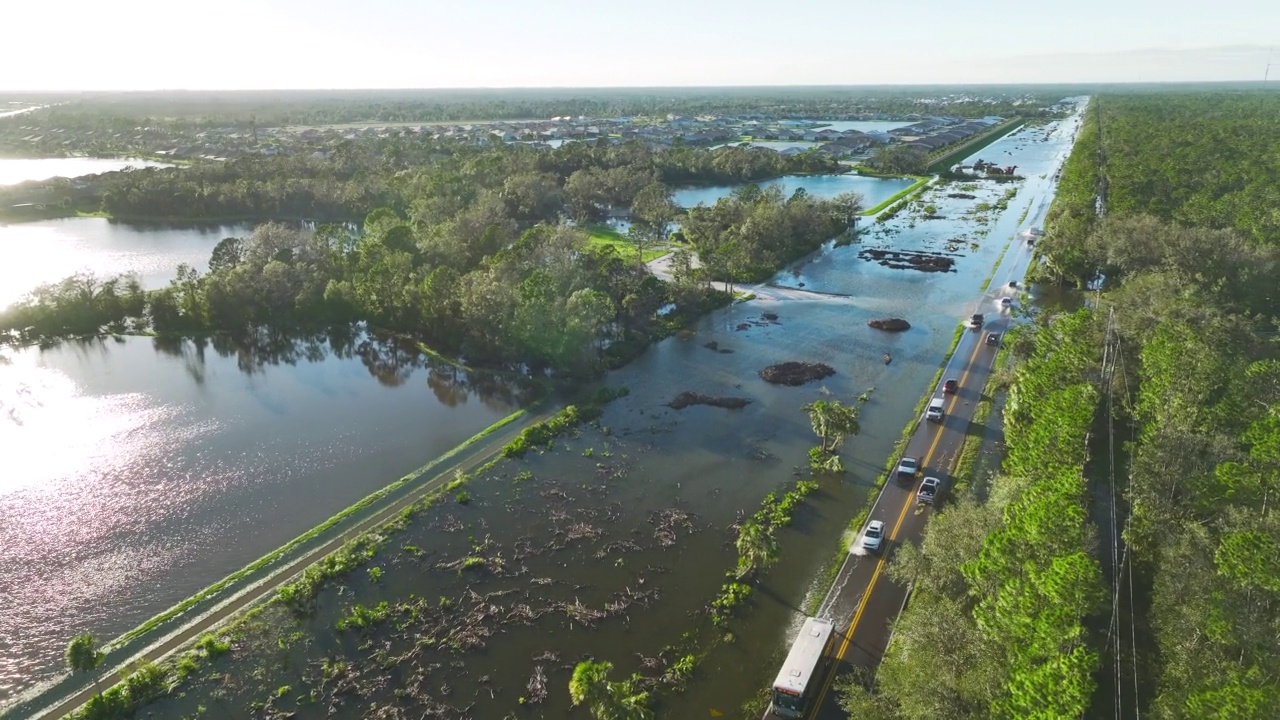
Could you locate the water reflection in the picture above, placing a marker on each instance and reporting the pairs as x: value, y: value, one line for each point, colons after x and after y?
x: 390, y: 359
x: 139, y: 470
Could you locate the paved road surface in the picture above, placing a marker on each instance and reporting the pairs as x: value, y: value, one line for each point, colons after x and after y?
x: 862, y: 591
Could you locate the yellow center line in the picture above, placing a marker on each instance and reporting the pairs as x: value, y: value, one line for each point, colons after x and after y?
x: 875, y: 576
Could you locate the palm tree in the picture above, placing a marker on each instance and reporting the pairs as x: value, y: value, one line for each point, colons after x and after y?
x: 757, y: 547
x: 831, y: 422
x: 607, y: 700
x: 590, y: 686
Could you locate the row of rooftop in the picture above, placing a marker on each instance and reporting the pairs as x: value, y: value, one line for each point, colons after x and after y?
x: 925, y: 132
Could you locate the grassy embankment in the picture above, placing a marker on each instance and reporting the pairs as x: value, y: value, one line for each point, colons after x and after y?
x: 944, y: 158
x: 311, y: 534
x: 602, y: 235
x: 967, y: 458
x: 901, y: 195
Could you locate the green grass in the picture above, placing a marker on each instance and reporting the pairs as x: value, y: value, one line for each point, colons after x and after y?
x: 967, y: 459
x: 914, y: 187
x: 868, y: 171
x: 311, y: 534
x: 996, y: 267
x: 601, y: 235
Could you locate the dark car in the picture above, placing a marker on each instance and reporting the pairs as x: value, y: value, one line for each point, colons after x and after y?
x: 976, y: 320
x: 950, y: 386
x: 993, y: 339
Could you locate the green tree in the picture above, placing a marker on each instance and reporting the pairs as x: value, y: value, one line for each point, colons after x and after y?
x: 82, y: 653
x: 832, y: 421
x: 757, y: 546
x: 606, y: 699
x: 652, y: 212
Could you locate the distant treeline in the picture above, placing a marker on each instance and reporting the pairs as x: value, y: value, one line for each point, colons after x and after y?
x: 246, y: 109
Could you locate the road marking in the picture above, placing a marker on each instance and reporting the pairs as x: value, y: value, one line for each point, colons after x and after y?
x: 875, y: 576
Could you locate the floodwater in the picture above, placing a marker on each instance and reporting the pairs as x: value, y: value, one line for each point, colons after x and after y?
x: 612, y: 545
x: 19, y: 170
x: 873, y: 190
x: 865, y: 125
x: 138, y: 471
x: 47, y: 251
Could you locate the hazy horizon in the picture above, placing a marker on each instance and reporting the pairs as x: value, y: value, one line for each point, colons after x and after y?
x: 84, y: 46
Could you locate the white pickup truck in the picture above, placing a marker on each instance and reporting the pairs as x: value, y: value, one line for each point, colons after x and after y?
x: 929, y: 490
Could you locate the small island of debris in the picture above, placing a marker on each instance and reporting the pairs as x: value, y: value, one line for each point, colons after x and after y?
x: 795, y: 373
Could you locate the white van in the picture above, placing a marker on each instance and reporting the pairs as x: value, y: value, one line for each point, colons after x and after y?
x: 934, y: 412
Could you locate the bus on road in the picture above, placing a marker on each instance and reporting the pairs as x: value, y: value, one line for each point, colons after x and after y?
x: 801, y: 675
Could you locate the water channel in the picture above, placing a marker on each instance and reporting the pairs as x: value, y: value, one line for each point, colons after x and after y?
x: 873, y: 190
x: 46, y: 251
x: 18, y: 170
x: 148, y: 471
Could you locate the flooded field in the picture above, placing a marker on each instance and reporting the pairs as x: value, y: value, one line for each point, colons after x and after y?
x: 613, y: 544
x: 140, y: 471
x: 873, y: 190
x: 19, y: 170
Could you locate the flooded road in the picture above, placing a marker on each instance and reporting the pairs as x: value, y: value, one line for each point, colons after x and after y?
x: 613, y: 544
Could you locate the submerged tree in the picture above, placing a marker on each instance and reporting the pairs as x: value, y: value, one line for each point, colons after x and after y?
x: 757, y: 547
x: 606, y: 699
x: 831, y: 421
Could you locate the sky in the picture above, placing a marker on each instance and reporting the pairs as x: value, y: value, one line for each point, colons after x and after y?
x: 322, y: 44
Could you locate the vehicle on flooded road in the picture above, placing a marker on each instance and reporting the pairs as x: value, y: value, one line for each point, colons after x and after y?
x: 950, y: 386
x: 934, y: 412
x: 873, y: 536
x: 993, y: 339
x: 907, y: 468
x: 929, y: 489
x: 801, y: 677
x: 976, y: 320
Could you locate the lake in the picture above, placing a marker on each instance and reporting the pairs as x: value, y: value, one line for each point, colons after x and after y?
x: 863, y: 125
x: 873, y: 190
x: 49, y: 250
x: 18, y: 170
x: 139, y: 471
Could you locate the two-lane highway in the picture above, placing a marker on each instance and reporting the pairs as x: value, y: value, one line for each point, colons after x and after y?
x: 862, y: 591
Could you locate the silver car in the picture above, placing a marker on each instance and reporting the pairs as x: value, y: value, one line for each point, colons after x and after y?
x: 873, y: 536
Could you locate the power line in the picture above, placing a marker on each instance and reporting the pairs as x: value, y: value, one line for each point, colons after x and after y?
x: 1128, y: 559
x: 1109, y: 366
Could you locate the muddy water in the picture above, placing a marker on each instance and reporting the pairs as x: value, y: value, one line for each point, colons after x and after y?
x: 613, y: 544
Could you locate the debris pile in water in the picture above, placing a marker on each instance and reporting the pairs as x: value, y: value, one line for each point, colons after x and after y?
x: 795, y: 373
